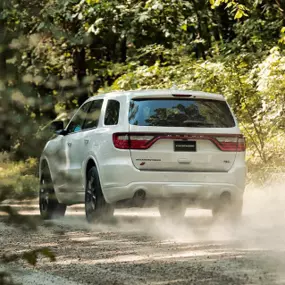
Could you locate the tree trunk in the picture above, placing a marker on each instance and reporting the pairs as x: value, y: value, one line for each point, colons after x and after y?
x: 200, y: 48
x: 5, y: 136
x: 226, y: 24
x: 281, y: 7
x: 124, y: 49
x: 3, y: 44
x: 80, y: 71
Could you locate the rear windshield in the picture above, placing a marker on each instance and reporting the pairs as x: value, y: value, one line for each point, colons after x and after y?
x: 180, y: 113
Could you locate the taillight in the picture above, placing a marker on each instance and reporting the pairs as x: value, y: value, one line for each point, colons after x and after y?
x: 140, y: 142
x: 132, y: 141
x: 182, y: 95
x: 231, y: 143
x: 121, y: 141
x: 241, y: 144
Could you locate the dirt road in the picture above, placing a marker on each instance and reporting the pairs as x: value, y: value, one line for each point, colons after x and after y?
x: 139, y: 248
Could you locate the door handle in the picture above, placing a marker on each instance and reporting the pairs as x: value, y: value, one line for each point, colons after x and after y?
x: 86, y: 141
x: 69, y: 144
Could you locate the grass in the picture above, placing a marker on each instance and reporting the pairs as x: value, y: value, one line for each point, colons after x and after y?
x: 18, y: 179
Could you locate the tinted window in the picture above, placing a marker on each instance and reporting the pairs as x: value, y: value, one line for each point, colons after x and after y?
x: 180, y: 113
x: 93, y: 115
x: 112, y: 112
x: 77, y: 121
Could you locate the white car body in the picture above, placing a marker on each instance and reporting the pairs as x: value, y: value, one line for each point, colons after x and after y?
x: 200, y: 176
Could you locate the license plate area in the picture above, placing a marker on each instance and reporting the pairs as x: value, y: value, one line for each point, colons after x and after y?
x: 185, y: 146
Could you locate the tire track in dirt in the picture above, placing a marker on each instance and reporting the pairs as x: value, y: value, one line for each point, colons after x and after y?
x: 137, y: 247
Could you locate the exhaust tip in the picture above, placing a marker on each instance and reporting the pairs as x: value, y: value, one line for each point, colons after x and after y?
x: 225, y: 197
x: 140, y: 193
x: 139, y: 198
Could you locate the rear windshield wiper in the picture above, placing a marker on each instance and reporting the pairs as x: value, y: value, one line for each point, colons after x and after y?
x: 194, y: 123
x: 164, y: 123
x: 178, y: 123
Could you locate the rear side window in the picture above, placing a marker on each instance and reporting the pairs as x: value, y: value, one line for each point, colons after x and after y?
x: 112, y: 112
x: 180, y: 113
x: 93, y: 115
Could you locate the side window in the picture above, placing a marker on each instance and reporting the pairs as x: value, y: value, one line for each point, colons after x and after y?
x: 93, y: 115
x: 77, y: 121
x: 112, y: 112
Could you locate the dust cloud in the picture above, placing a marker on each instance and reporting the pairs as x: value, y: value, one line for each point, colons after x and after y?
x: 262, y: 225
x: 140, y: 246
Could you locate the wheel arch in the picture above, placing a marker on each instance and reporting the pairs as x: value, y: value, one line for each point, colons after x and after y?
x: 43, y: 164
x: 90, y: 162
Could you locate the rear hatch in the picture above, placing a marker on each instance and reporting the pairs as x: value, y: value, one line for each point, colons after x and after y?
x: 181, y: 132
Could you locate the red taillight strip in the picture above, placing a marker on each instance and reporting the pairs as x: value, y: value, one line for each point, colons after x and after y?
x: 224, y: 146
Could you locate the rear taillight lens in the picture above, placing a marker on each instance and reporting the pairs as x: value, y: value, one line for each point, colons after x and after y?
x: 129, y: 141
x: 241, y: 144
x: 231, y: 143
x: 140, y: 142
x: 235, y: 143
x: 121, y: 141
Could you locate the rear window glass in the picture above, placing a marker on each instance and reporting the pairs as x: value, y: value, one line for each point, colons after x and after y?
x: 112, y: 112
x: 93, y: 115
x: 180, y: 113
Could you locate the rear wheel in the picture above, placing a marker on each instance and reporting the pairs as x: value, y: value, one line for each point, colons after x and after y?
x: 96, y: 208
x: 228, y: 210
x: 172, y: 210
x: 50, y: 208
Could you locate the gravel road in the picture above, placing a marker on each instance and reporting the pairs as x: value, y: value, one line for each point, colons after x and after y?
x: 139, y: 248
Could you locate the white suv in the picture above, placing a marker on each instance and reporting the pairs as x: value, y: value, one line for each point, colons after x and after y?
x: 170, y: 148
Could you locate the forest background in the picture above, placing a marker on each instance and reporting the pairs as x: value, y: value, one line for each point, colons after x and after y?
x: 54, y: 54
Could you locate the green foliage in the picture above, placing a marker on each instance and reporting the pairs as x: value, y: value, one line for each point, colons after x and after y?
x: 54, y: 54
x: 19, y: 178
x: 238, y: 9
x: 253, y: 88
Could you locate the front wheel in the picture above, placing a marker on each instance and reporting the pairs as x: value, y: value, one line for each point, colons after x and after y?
x: 96, y: 208
x: 50, y: 208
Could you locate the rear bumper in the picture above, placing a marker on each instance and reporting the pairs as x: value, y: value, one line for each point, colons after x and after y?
x: 202, y: 192
x: 193, y: 186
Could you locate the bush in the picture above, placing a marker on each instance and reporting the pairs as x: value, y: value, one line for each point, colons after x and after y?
x: 18, y: 178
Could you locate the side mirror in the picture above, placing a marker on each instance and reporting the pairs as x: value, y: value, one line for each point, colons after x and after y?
x: 57, y: 126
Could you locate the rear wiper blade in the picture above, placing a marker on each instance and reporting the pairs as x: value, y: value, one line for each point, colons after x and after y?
x: 164, y: 123
x: 197, y: 123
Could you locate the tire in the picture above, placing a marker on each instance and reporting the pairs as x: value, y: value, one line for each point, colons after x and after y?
x: 227, y: 210
x: 96, y: 208
x: 172, y: 210
x: 49, y: 206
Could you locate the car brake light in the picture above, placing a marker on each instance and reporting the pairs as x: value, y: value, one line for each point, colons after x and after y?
x: 140, y: 142
x: 121, y: 141
x: 128, y: 141
x: 241, y: 144
x: 181, y: 95
x: 235, y: 143
x: 228, y: 143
